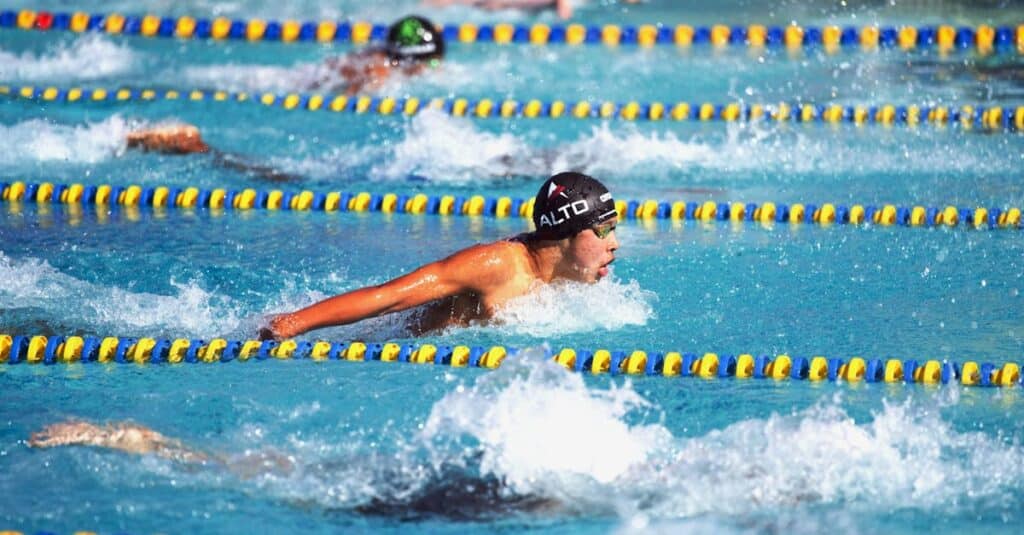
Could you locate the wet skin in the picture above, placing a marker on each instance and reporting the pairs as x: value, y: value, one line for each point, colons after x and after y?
x: 468, y: 286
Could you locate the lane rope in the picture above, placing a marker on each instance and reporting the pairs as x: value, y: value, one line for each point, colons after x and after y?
x: 983, y: 39
x: 17, y: 349
x: 965, y: 116
x: 503, y: 207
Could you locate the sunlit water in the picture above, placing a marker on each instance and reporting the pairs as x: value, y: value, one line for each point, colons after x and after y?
x: 398, y: 447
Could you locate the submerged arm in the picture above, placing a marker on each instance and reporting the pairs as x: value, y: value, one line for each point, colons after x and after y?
x: 186, y: 139
x: 127, y: 437
x: 140, y: 440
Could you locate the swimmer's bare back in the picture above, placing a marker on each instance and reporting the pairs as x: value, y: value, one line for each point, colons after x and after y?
x: 363, y: 71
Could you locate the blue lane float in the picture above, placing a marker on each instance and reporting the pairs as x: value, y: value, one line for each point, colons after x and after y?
x: 49, y: 350
x: 945, y: 38
x: 503, y: 207
x: 963, y: 117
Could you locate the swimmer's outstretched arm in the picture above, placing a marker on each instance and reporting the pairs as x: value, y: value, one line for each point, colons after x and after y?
x: 186, y: 139
x: 123, y: 436
x: 476, y: 269
x: 174, y: 139
x: 140, y: 440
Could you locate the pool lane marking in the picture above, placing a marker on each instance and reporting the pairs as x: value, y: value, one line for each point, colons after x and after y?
x: 945, y: 38
x: 991, y: 118
x: 503, y: 207
x: 37, y: 349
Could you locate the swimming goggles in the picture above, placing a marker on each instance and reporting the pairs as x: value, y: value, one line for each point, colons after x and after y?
x: 602, y: 231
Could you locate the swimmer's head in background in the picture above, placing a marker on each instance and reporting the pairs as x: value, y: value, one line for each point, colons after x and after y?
x: 415, y: 39
x: 569, y: 203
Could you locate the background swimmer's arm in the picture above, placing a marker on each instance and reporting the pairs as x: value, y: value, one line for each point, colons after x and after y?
x: 185, y: 139
x: 140, y: 440
x: 123, y: 436
x: 476, y: 269
x: 175, y: 139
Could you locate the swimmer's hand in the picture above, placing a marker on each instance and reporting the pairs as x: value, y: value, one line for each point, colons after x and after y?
x: 173, y: 139
x: 280, y: 327
x: 265, y: 334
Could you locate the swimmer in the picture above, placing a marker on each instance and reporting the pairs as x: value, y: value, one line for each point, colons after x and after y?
x: 413, y: 46
x: 575, y: 240
x: 449, y: 493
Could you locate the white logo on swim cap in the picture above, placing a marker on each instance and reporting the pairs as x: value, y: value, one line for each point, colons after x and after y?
x: 425, y: 48
x: 552, y: 219
x: 605, y: 197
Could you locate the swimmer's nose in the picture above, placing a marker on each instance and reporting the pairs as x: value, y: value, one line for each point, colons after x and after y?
x: 613, y: 242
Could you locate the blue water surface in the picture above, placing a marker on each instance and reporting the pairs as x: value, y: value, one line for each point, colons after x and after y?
x: 324, y: 447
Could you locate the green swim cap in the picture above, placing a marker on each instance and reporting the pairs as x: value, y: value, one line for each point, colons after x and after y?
x: 415, y: 38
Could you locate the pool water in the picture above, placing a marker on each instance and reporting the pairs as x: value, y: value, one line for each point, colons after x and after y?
x: 394, y: 447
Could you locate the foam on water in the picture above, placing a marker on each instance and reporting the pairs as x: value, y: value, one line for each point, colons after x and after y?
x: 432, y: 145
x: 190, y: 311
x: 37, y: 140
x: 571, y: 307
x: 543, y: 432
x: 531, y: 437
x: 247, y: 77
x: 64, y: 62
x: 435, y: 146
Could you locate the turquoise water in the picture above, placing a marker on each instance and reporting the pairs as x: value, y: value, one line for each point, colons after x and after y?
x: 380, y: 447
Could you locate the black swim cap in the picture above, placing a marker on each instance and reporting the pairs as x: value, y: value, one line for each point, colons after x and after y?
x: 568, y: 203
x: 414, y: 38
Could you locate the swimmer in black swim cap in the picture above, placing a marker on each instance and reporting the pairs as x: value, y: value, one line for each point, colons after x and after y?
x: 574, y: 241
x: 569, y: 203
x: 413, y: 44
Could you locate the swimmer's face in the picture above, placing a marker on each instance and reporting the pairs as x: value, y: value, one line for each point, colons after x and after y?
x: 592, y: 250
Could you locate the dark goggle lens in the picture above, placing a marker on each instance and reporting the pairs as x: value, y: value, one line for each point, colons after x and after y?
x: 602, y: 231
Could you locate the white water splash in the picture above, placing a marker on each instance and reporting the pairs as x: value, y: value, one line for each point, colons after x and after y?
x: 543, y: 432
x: 558, y: 309
x: 435, y: 146
x: 37, y: 140
x: 89, y: 57
x: 248, y: 77
x: 191, y: 310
